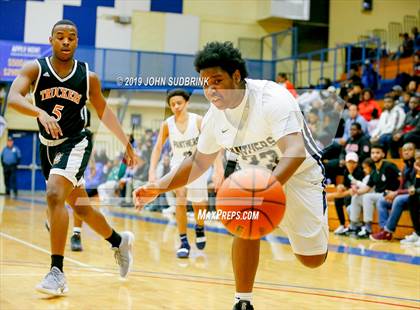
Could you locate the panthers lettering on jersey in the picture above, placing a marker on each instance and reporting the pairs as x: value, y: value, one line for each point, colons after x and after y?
x: 63, y: 98
x: 183, y: 144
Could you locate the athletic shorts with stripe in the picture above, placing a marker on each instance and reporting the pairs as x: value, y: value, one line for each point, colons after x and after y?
x: 68, y: 159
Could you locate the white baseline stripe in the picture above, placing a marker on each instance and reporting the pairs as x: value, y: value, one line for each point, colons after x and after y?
x: 33, y: 246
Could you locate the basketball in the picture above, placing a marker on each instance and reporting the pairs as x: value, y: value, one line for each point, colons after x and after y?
x: 251, y: 203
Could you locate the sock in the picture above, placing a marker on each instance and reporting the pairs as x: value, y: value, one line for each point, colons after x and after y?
x: 114, y: 239
x: 199, y: 231
x: 184, y: 240
x: 368, y: 226
x: 353, y: 225
x: 243, y: 296
x: 77, y: 230
x: 57, y: 261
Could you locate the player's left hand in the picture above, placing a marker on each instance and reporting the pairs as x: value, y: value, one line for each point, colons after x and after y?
x: 131, y: 157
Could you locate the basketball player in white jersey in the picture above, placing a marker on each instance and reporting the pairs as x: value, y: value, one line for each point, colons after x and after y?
x: 261, y: 124
x: 182, y: 129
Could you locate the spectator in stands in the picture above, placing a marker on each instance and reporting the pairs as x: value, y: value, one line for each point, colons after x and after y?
x: 10, y: 159
x: 134, y: 178
x: 385, y: 177
x: 354, y: 93
x: 373, y: 123
x: 342, y: 197
x: 368, y: 104
x: 405, y: 100
x: 407, y: 46
x: 108, y: 190
x: 354, y: 117
x: 412, y: 86
x: 391, y: 206
x: 356, y: 202
x: 314, y: 123
x: 283, y: 80
x: 416, y: 38
x: 353, y: 76
x: 358, y: 143
x: 396, y: 92
x: 417, y: 67
x: 410, y: 131
x: 391, y: 120
x: 414, y: 206
x: 93, y: 177
x: 308, y: 98
x: 406, y: 49
x: 370, y: 76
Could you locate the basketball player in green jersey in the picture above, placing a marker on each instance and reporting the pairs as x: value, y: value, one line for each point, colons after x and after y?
x: 61, y: 86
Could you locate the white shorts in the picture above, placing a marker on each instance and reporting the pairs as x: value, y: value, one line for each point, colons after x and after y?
x: 197, y: 191
x: 306, y: 219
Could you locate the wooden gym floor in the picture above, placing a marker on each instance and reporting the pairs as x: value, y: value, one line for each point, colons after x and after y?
x: 358, y: 274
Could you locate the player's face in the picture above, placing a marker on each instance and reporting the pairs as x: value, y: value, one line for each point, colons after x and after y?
x: 64, y: 42
x: 377, y: 155
x: 177, y: 104
x: 221, y: 89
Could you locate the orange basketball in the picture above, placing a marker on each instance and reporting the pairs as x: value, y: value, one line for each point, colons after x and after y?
x: 250, y: 203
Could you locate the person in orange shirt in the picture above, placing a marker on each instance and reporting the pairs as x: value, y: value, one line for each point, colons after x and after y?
x: 282, y: 79
x: 367, y: 105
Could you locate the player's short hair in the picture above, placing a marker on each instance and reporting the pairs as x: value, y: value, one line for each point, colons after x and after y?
x: 177, y: 92
x: 223, y: 55
x: 63, y: 22
x: 283, y: 75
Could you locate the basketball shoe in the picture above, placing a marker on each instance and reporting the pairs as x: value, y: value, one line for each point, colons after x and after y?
x: 54, y: 283
x: 124, y: 253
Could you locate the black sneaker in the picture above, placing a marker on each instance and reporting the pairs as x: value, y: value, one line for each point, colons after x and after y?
x: 183, y: 251
x: 363, y: 233
x: 76, y: 243
x: 243, y: 305
x: 200, y: 237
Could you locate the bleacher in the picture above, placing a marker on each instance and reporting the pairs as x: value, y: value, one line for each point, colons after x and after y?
x: 405, y: 226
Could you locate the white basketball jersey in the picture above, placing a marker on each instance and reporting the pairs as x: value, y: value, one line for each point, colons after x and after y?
x: 271, y: 112
x: 183, y: 144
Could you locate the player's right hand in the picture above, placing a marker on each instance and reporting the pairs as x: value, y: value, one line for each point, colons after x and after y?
x: 50, y: 124
x: 145, y: 194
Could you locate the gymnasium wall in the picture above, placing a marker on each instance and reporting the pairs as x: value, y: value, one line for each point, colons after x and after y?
x: 347, y: 21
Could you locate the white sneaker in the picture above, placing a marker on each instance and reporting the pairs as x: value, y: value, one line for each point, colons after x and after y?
x: 410, y: 239
x: 417, y: 243
x: 54, y: 283
x: 340, y: 229
x: 124, y: 253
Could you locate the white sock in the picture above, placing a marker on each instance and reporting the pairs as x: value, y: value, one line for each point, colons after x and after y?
x: 77, y: 230
x: 243, y: 296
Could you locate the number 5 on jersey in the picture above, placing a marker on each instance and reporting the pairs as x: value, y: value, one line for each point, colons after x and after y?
x: 57, y: 111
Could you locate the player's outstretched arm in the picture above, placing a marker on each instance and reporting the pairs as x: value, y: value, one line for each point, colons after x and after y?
x: 108, y: 117
x: 189, y: 170
x: 294, y: 154
x: 17, y: 99
x: 157, y: 150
